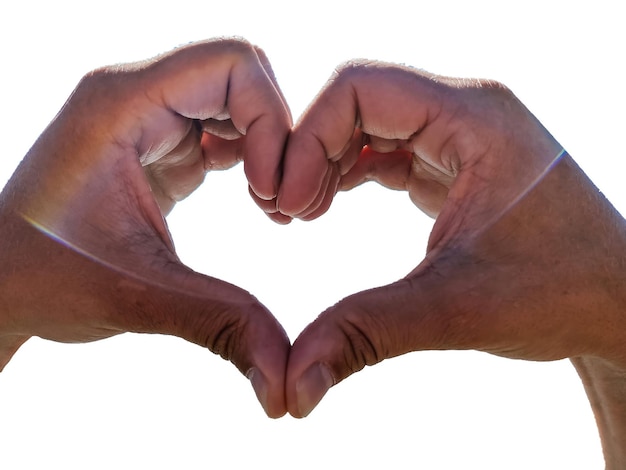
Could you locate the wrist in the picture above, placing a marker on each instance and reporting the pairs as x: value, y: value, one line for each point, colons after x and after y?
x: 605, y: 385
x: 6, y: 271
x: 603, y: 369
x: 596, y: 245
x: 10, y: 339
x: 11, y: 335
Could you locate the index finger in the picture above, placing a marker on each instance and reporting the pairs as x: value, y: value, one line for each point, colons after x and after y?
x: 229, y: 78
x: 383, y: 100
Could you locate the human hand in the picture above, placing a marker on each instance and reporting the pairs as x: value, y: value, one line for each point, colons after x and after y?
x: 521, y: 259
x: 85, y: 247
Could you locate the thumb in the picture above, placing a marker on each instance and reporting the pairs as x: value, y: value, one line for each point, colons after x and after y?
x: 513, y: 288
x: 365, y: 329
x: 214, y: 314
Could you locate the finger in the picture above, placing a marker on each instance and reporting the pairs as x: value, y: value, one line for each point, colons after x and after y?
x: 513, y: 290
x: 325, y: 196
x: 270, y: 73
x: 220, y: 153
x: 214, y: 314
x: 263, y: 165
x: 391, y: 169
x: 176, y: 176
x: 226, y: 130
x: 440, y: 307
x: 136, y: 283
x: 385, y: 101
x: 338, y: 167
x: 269, y: 207
x: 401, y: 170
x: 223, y: 128
x: 361, y: 330
x: 133, y: 281
x: 382, y: 145
x: 279, y: 218
x: 224, y: 79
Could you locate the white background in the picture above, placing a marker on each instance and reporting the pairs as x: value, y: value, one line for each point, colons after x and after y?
x: 157, y: 402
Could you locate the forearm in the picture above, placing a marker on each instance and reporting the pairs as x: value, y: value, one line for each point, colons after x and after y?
x: 603, y: 370
x: 10, y: 336
x: 605, y: 385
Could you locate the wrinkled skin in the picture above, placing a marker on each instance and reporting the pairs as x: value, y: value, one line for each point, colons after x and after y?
x: 525, y: 260
x: 82, y: 219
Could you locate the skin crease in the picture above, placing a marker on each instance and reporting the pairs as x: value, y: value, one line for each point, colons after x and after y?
x: 524, y: 260
x: 82, y: 219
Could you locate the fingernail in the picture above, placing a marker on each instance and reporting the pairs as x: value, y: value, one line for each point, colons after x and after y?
x: 259, y: 384
x: 312, y: 386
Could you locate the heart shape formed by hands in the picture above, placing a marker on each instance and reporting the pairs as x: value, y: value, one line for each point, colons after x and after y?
x: 134, y: 140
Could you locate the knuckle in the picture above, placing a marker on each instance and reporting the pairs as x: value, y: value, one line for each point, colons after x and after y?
x: 363, y: 335
x: 492, y: 90
x: 236, y: 43
x: 261, y: 54
x: 490, y: 84
x: 97, y: 79
x: 224, y: 334
x: 104, y: 89
x: 219, y: 328
x: 350, y: 70
x: 238, y: 48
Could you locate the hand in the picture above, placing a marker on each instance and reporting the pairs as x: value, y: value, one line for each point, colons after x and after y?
x: 525, y: 259
x: 85, y: 246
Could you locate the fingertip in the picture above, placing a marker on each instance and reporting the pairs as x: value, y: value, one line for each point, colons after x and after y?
x: 265, y: 144
x: 228, y: 321
x: 310, y: 369
x: 266, y: 205
x: 262, y: 189
x: 285, y: 206
x: 261, y: 389
x: 290, y: 201
x: 302, y: 202
x: 311, y: 387
x: 267, y: 373
x: 305, y: 171
x: 270, y: 208
x: 290, y: 210
x: 259, y: 385
x: 322, y: 203
x: 279, y: 218
x: 313, y: 215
